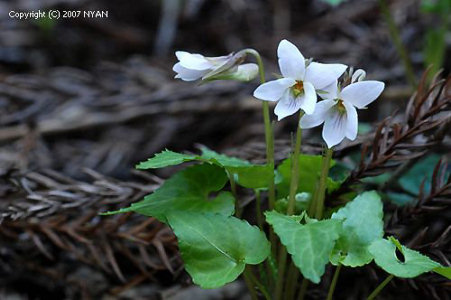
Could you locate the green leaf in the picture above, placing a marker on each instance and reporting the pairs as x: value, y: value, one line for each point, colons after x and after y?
x: 412, y: 264
x: 216, y: 248
x: 444, y: 271
x: 333, y: 2
x: 378, y: 179
x: 421, y: 171
x: 187, y: 190
x: 362, y: 224
x: 165, y: 159
x: 309, y: 171
x: 400, y: 199
x: 309, y: 245
x: 223, y: 159
x: 245, y: 174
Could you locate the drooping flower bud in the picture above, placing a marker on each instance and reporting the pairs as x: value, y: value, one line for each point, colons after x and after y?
x: 193, y: 67
x: 244, y: 72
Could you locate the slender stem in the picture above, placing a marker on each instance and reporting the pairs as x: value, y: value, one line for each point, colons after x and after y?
x: 258, y: 209
x: 257, y: 283
x: 281, y: 262
x: 325, y: 165
x: 249, y: 284
x: 312, y: 207
x: 396, y: 38
x: 292, y: 279
x: 264, y: 272
x: 269, y: 152
x: 333, y: 283
x: 258, y: 58
x: 233, y: 188
x: 303, y: 289
x: 269, y: 139
x: 268, y: 130
x: 269, y: 272
x: 291, y: 206
x: 295, y: 169
x: 379, y: 288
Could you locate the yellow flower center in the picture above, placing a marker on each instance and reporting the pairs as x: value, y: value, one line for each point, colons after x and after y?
x: 298, y: 88
x: 341, y: 107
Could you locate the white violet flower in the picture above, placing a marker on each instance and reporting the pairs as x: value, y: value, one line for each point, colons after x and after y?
x: 297, y: 89
x: 192, y: 67
x: 338, y: 110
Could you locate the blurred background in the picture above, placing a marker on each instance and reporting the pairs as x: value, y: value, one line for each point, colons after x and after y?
x: 82, y: 100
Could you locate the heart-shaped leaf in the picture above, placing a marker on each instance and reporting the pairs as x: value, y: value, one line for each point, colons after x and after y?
x: 362, y: 224
x: 186, y: 191
x: 309, y: 245
x: 410, y: 265
x: 216, y: 248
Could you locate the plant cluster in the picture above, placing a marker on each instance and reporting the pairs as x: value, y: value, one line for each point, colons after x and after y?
x: 296, y: 234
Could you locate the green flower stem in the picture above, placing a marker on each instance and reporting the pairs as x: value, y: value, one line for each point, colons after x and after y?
x: 291, y: 206
x: 269, y: 276
x: 321, y: 193
x: 312, y: 207
x: 379, y: 288
x: 258, y: 209
x: 269, y: 152
x: 333, y: 283
x: 269, y: 139
x: 292, y: 280
x: 268, y: 130
x: 281, y: 263
x: 295, y: 169
x: 290, y: 210
x: 233, y: 189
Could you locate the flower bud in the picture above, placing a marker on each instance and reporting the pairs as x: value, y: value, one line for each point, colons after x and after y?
x: 245, y: 73
x: 192, y: 67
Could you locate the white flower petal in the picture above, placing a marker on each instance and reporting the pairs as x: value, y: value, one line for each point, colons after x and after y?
x: 308, y: 99
x: 273, y: 90
x: 321, y: 75
x: 360, y: 94
x: 219, y: 60
x: 187, y: 74
x: 351, y: 121
x: 317, y: 118
x: 193, y: 61
x: 334, y: 130
x: 330, y: 91
x: 291, y: 60
x: 287, y: 105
